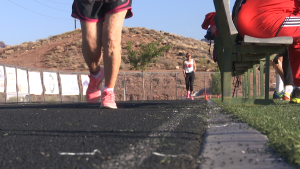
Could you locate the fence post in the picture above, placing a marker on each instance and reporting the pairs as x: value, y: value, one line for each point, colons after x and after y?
x: 28, y: 86
x: 5, y: 84
x: 204, y: 85
x: 17, y: 87
x: 143, y: 86
x: 43, y: 84
x: 124, y: 86
x: 176, y: 88
x: 80, y: 88
x: 60, y: 87
x: 151, y: 97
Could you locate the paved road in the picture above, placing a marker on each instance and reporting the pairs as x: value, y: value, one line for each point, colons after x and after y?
x: 145, y: 134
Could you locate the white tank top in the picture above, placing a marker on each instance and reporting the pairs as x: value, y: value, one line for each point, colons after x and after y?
x: 189, y: 67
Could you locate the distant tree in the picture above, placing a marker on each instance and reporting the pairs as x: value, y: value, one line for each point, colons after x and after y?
x: 140, y: 58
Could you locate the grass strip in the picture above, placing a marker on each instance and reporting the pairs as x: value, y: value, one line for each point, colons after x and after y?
x: 280, y: 122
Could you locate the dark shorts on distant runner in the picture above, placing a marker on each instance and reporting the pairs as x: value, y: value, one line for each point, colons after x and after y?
x: 95, y: 10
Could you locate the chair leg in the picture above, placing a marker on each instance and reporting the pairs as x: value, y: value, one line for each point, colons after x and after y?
x: 254, y: 81
x: 243, y: 85
x: 262, y: 89
x: 267, y: 77
x: 249, y: 86
x: 246, y: 84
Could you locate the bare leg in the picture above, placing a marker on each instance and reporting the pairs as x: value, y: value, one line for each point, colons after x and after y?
x: 112, y: 30
x: 92, y: 44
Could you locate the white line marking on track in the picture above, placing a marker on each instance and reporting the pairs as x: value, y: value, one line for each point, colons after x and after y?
x: 79, y: 154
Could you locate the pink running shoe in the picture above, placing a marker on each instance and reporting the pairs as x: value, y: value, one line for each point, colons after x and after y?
x: 192, y: 98
x: 187, y: 95
x: 108, y: 100
x: 93, y: 92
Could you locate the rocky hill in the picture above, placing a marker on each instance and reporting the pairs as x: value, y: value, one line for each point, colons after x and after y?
x: 2, y: 44
x: 63, y: 52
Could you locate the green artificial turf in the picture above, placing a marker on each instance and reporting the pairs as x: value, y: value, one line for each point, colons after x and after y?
x: 280, y: 122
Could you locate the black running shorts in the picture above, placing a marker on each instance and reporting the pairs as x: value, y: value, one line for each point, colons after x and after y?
x: 95, y: 10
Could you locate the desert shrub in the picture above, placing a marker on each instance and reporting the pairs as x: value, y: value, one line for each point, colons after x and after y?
x: 146, y: 35
x: 202, y: 61
x: 125, y: 30
x: 47, y: 59
x: 68, y: 60
x: 157, y: 80
x: 173, y: 74
x: 50, y: 53
x: 63, y: 64
x: 9, y: 52
x: 170, y: 65
x: 197, y: 56
x: 182, y: 46
x: 181, y: 53
x: 215, y: 83
x: 72, y: 48
x: 36, y: 46
x: 82, y: 65
x: 58, y: 51
x: 4, y: 56
x: 180, y: 63
x: 79, y: 42
x: 139, y: 59
x: 122, y: 66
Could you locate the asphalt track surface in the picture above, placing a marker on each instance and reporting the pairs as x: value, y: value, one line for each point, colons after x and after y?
x: 138, y: 135
x: 144, y: 134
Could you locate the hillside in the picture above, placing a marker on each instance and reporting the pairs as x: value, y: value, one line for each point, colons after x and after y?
x: 63, y: 52
x: 2, y: 44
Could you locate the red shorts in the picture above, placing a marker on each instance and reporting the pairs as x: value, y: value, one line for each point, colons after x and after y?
x: 266, y: 18
x: 95, y: 10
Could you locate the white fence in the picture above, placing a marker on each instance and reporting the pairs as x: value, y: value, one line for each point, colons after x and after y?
x: 20, y: 84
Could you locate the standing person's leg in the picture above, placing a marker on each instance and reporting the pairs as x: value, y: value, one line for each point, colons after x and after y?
x: 192, y: 78
x: 187, y: 85
x: 92, y: 44
x: 279, y: 86
x: 91, y: 27
x: 111, y: 40
x: 91, y: 50
x: 287, y: 76
x: 294, y: 53
x: 287, y: 71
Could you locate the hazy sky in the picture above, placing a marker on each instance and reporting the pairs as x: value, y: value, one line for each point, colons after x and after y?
x: 29, y: 20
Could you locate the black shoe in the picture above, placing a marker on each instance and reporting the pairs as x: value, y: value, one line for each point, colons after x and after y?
x: 295, y: 98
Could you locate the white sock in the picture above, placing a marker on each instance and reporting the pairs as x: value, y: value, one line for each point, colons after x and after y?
x: 188, y: 91
x: 288, y: 89
x: 97, y: 75
x: 108, y: 89
x: 279, y: 83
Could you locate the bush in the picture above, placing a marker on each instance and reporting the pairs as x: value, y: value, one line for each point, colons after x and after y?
x: 140, y: 58
x: 215, y: 83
